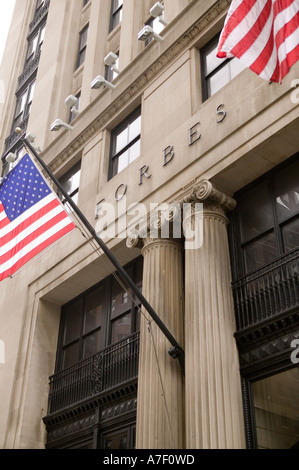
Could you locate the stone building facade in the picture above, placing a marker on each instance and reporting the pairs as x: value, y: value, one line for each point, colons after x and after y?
x: 173, y: 139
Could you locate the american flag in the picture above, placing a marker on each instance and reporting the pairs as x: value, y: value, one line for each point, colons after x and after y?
x: 264, y: 35
x: 31, y: 217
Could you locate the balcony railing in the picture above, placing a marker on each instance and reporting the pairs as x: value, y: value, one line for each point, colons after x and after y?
x: 112, y: 367
x: 268, y: 291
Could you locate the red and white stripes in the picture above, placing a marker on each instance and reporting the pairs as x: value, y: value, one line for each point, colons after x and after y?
x: 264, y: 35
x: 32, y: 232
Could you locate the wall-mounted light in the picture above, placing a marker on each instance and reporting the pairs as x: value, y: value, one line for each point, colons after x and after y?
x: 148, y: 32
x: 31, y: 139
x: 157, y: 11
x: 58, y: 124
x: 11, y: 157
x: 100, y: 81
x: 111, y: 60
x: 71, y: 102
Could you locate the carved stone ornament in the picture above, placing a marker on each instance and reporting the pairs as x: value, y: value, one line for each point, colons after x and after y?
x: 163, y: 222
x: 213, y: 200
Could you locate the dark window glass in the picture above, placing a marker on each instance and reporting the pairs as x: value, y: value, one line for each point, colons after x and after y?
x: 23, y: 105
x: 70, y: 182
x: 35, y: 45
x: 217, y: 72
x: 276, y: 409
x: 268, y: 217
x: 120, y: 438
x: 101, y: 316
x: 125, y: 143
x: 82, y: 46
x: 116, y: 13
x: 290, y: 234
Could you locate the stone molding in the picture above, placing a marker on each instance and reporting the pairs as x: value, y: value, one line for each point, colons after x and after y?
x: 142, y: 81
x: 213, y: 200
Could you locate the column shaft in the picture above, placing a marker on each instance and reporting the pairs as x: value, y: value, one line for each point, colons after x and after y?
x: 214, y: 418
x: 160, y: 420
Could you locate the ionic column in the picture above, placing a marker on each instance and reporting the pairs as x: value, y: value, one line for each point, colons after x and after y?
x: 214, y: 416
x: 160, y: 398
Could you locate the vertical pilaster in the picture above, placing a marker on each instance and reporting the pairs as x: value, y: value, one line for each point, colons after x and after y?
x: 213, y: 392
x: 160, y: 408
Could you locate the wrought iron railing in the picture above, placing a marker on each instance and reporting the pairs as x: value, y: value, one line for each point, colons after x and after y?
x: 268, y: 291
x: 112, y: 367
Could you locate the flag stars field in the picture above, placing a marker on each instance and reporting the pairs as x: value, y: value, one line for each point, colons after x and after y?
x: 31, y: 217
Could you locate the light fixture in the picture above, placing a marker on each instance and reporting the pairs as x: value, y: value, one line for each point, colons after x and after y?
x: 71, y: 102
x: 147, y: 32
x: 58, y: 123
x: 100, y: 81
x: 31, y: 138
x: 11, y: 157
x: 157, y: 12
x: 110, y: 60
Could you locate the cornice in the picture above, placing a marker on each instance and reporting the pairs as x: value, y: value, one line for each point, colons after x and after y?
x: 136, y: 87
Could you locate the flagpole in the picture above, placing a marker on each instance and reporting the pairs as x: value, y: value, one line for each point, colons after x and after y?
x: 176, y: 351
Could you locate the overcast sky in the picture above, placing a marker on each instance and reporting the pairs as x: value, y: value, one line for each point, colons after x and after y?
x: 6, y: 9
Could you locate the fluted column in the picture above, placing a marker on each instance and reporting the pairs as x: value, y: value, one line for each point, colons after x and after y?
x: 160, y: 399
x: 214, y: 417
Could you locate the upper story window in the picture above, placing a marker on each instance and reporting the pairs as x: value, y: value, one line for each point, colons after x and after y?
x: 268, y: 218
x: 116, y: 13
x: 23, y: 105
x: 82, y: 46
x: 216, y: 72
x: 70, y: 182
x: 35, y: 45
x: 125, y: 143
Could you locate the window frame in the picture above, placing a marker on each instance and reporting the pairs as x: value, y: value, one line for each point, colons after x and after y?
x: 114, y: 22
x: 82, y: 46
x: 114, y: 156
x: 26, y: 95
x: 66, y: 177
x: 135, y: 268
x: 235, y: 238
x: 223, y: 63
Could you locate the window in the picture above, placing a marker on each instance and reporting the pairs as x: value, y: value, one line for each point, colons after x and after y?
x: 120, y: 439
x: 101, y: 316
x: 70, y: 182
x: 85, y: 2
x: 116, y: 13
x: 125, y: 143
x: 216, y: 72
x: 23, y: 105
x: 268, y: 217
x: 82, y: 47
x: 35, y: 45
x: 276, y: 409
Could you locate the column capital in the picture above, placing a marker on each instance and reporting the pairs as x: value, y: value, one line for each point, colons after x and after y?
x: 211, y: 197
x: 164, y: 223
